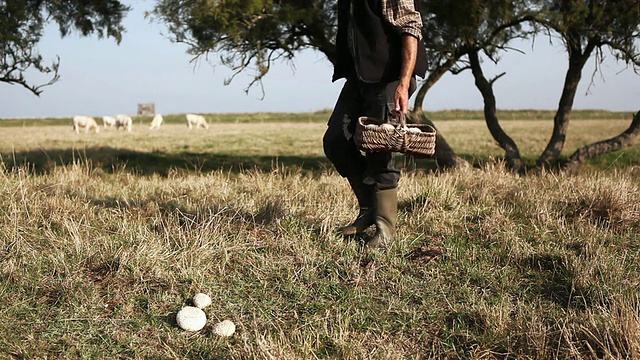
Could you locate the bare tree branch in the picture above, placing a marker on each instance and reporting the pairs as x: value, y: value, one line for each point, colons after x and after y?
x: 496, y: 78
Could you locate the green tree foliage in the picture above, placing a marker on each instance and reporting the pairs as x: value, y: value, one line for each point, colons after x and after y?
x: 22, y: 24
x: 250, y: 34
x: 455, y: 27
x: 486, y: 24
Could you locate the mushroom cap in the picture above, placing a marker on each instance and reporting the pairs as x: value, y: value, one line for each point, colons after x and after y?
x: 225, y: 328
x: 201, y: 300
x: 191, y: 318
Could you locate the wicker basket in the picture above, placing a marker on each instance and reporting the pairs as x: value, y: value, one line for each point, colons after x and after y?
x: 375, y: 135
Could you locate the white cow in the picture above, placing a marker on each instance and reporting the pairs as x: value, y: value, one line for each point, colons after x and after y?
x: 156, y: 122
x: 196, y: 120
x: 108, y: 121
x: 86, y: 122
x: 124, y: 121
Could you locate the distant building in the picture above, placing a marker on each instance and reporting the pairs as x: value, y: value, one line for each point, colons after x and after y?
x: 148, y: 109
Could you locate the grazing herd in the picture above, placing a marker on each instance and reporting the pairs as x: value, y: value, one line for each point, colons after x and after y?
x: 89, y: 124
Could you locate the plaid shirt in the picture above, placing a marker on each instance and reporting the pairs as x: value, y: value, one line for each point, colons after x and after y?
x: 403, y: 16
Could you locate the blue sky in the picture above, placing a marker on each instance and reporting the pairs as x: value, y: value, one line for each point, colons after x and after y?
x: 99, y: 77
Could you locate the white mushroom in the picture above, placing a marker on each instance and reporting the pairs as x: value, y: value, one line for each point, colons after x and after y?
x: 201, y: 300
x: 191, y: 318
x: 388, y: 126
x: 225, y: 328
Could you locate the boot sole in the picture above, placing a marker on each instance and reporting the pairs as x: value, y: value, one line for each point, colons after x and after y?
x: 353, y: 230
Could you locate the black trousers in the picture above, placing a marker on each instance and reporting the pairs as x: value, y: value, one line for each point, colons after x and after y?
x: 361, y: 99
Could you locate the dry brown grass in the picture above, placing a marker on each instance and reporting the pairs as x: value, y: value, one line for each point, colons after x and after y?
x: 486, y: 264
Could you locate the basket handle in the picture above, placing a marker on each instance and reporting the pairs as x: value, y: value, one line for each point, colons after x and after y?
x: 403, y: 120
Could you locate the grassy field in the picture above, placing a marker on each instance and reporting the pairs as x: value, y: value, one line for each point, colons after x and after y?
x: 247, y: 141
x: 322, y: 116
x: 106, y: 236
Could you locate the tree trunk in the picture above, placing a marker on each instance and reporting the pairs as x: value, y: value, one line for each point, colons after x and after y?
x: 603, y: 147
x: 512, y: 154
x: 445, y: 156
x: 577, y: 59
x: 433, y: 77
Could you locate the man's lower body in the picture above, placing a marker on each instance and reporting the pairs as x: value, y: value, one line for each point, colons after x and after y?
x: 373, y: 176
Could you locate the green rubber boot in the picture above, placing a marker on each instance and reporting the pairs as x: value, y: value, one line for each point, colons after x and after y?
x: 386, y: 212
x: 367, y: 215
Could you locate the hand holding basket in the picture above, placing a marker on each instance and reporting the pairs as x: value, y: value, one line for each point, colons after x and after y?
x: 376, y: 135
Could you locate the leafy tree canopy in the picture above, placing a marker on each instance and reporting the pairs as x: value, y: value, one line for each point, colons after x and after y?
x: 455, y: 27
x: 250, y: 34
x: 588, y: 24
x: 22, y: 25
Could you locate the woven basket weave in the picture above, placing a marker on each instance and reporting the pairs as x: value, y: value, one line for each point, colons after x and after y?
x: 375, y: 135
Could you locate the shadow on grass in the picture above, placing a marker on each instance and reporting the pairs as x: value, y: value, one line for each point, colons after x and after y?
x: 111, y: 159
x: 161, y: 163
x: 551, y: 276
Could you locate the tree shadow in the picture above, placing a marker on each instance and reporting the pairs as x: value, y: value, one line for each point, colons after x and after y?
x: 110, y: 159
x: 155, y: 162
x: 551, y: 276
